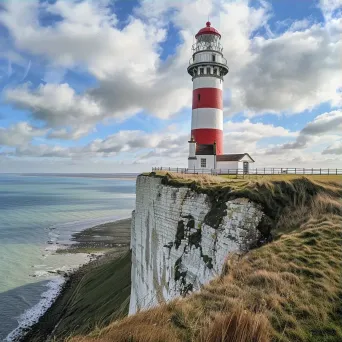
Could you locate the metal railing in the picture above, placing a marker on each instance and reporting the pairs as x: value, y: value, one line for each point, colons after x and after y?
x: 222, y: 62
x: 199, y: 47
x: 256, y: 171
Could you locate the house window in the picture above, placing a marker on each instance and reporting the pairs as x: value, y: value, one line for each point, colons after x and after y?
x: 208, y: 71
x: 203, y: 162
x: 201, y: 71
x: 199, y: 97
x: 213, y: 58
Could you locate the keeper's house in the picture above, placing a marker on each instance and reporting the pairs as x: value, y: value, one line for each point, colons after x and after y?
x: 204, y: 157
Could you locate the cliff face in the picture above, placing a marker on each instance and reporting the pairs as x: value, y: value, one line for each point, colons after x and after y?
x: 179, y: 241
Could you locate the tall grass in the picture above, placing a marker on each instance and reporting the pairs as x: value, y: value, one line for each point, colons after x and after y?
x: 287, y: 290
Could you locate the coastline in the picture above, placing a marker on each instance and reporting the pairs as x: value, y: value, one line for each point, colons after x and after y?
x: 103, y: 244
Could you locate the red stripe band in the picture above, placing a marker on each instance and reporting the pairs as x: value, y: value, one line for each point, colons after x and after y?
x: 207, y: 98
x: 209, y: 136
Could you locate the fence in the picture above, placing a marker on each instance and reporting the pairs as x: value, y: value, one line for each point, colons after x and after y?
x: 256, y: 171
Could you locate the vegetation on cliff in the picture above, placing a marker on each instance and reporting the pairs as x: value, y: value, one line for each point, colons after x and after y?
x: 288, y: 289
x: 97, y: 293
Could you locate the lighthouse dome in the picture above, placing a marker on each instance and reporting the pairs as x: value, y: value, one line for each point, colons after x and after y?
x: 208, y: 30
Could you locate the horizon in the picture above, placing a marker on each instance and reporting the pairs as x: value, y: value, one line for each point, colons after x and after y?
x: 102, y: 85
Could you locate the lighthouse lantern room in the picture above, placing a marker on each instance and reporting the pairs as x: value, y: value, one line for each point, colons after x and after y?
x: 207, y: 68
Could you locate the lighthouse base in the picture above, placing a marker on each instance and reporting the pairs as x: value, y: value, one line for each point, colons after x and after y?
x: 208, y: 136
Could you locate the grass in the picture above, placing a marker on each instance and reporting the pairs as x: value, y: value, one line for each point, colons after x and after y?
x: 287, y: 177
x: 287, y: 290
x: 92, y: 299
x: 181, y: 179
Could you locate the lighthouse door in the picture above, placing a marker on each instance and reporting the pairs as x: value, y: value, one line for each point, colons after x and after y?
x: 245, y: 167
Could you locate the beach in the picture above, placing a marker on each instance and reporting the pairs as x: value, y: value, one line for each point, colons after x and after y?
x: 108, y: 247
x: 38, y: 219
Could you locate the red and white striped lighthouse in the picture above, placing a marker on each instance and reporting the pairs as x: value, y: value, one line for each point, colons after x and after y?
x: 207, y: 68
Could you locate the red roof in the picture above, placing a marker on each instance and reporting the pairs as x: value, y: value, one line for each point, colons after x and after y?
x: 208, y: 30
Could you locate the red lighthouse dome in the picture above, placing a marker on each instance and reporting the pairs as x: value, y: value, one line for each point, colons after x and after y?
x: 208, y: 30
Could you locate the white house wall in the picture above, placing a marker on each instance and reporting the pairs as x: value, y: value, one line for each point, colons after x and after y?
x: 210, y: 162
x: 227, y: 165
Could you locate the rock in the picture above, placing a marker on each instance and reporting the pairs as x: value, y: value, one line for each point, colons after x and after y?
x: 174, y: 251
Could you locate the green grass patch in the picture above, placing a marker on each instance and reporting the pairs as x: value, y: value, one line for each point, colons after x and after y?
x: 90, y: 300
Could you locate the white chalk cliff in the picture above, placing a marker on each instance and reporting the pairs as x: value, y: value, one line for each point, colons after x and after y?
x: 174, y: 249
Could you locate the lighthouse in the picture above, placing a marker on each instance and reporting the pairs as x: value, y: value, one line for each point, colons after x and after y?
x: 207, y: 67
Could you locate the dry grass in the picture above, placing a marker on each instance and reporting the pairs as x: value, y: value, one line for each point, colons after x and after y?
x: 203, y: 180
x: 288, y: 177
x: 287, y: 290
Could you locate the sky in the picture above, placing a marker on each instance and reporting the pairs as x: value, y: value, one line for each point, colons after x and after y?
x: 102, y: 85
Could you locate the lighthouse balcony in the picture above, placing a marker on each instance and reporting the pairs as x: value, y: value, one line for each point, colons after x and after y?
x: 208, y: 68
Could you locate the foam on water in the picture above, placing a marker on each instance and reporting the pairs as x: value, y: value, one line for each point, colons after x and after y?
x: 38, y: 215
x: 31, y: 316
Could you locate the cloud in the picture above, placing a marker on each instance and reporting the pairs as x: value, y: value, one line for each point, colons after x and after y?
x: 319, y: 129
x: 288, y: 73
x: 330, y: 8
x: 20, y: 133
x: 43, y: 151
x: 85, y: 34
x: 259, y: 129
x: 335, y: 148
x: 58, y: 105
x: 291, y: 73
x: 327, y: 122
x: 170, y: 148
x: 128, y: 141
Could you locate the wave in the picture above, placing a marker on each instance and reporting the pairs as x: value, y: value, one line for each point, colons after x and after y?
x: 32, y: 315
x: 56, y: 232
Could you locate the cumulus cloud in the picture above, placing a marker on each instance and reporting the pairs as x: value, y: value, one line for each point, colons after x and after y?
x: 288, y: 73
x: 335, y: 148
x: 128, y: 141
x: 58, y: 105
x: 139, y: 147
x: 19, y: 134
x: 327, y: 122
x: 86, y: 34
x: 321, y: 128
x: 330, y: 8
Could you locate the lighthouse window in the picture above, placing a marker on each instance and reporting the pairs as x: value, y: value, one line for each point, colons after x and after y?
x: 208, y: 71
x: 201, y: 71
x: 199, y: 97
x: 203, y: 162
x: 215, y: 71
x: 214, y: 58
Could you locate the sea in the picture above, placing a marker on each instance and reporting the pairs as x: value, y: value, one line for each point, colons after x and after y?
x: 38, y: 214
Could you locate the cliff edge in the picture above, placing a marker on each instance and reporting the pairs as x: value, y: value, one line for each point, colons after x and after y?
x: 215, y: 259
x: 179, y: 242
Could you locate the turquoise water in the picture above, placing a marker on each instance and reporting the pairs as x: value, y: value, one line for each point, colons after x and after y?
x: 38, y: 214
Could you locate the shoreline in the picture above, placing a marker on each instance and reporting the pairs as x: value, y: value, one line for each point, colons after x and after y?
x: 101, y: 244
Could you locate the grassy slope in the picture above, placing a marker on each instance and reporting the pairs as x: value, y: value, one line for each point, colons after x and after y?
x: 98, y: 296
x: 287, y: 290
